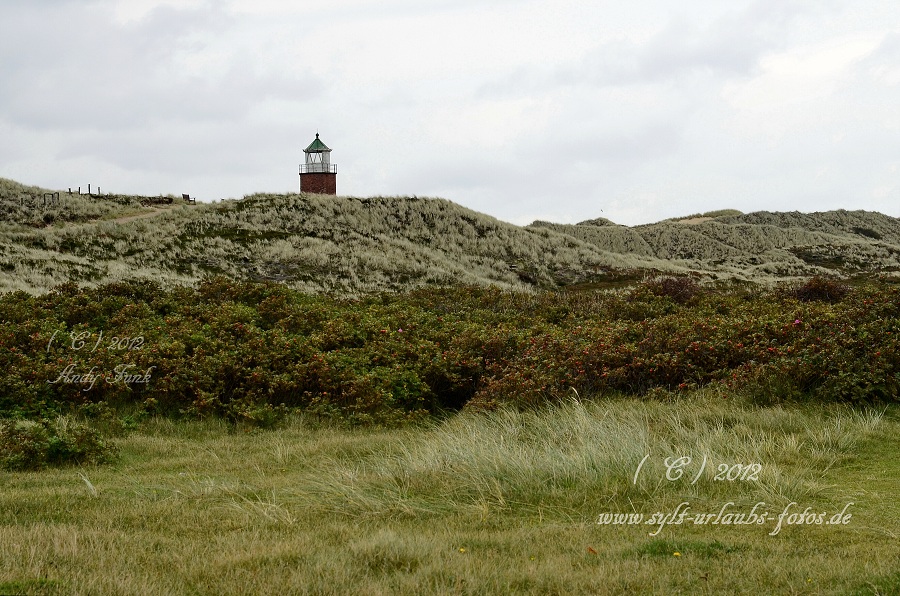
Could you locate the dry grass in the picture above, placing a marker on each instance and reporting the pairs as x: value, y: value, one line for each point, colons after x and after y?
x: 354, y: 245
x: 503, y: 503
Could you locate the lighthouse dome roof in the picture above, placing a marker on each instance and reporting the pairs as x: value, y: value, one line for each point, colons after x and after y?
x: 316, y: 146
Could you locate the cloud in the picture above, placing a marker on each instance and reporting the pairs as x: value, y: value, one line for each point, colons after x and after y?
x: 89, y: 73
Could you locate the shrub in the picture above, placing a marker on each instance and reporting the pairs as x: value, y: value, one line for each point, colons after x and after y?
x: 31, y: 445
x: 250, y: 352
x: 23, y: 445
x: 821, y: 289
x: 868, y: 233
x: 681, y: 290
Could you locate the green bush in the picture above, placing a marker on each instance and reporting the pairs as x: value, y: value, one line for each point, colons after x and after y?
x: 31, y: 445
x: 23, y: 445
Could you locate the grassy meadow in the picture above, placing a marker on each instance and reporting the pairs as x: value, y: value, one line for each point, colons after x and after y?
x: 505, y: 502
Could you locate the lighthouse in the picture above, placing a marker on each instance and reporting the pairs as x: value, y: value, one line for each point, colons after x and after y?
x: 318, y: 174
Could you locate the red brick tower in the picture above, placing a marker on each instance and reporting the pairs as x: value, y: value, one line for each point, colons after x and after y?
x: 318, y: 175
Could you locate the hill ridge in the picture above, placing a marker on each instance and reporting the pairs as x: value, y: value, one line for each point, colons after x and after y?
x: 321, y: 243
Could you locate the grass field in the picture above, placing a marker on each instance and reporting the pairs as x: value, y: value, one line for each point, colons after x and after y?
x: 505, y: 502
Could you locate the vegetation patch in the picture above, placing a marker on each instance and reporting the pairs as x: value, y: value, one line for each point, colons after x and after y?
x: 681, y: 290
x: 819, y: 257
x: 876, y: 586
x: 820, y: 289
x: 32, y: 445
x: 31, y: 586
x: 678, y: 548
x: 237, y: 235
x: 867, y: 232
x: 249, y: 352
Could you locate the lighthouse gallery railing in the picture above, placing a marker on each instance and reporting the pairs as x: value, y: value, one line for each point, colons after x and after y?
x: 312, y: 168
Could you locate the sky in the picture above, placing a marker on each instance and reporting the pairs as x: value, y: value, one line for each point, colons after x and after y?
x: 558, y: 110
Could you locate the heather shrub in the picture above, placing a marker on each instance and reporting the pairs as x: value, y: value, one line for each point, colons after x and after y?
x: 250, y: 352
x: 31, y: 445
x: 111, y: 422
x: 72, y: 442
x: 23, y: 445
x: 681, y: 290
x: 820, y: 289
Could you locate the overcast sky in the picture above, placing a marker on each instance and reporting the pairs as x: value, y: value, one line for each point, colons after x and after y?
x: 561, y: 110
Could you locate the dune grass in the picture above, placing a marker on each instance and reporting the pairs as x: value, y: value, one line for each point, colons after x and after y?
x: 506, y: 502
x: 330, y: 244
